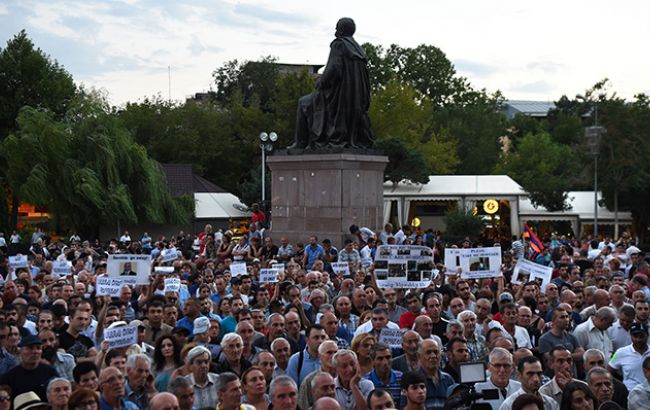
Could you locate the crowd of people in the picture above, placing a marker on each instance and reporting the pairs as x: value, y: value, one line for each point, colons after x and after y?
x: 316, y: 339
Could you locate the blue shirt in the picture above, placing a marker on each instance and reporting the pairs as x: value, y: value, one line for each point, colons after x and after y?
x: 313, y: 253
x: 126, y: 405
x: 7, y: 361
x: 393, y: 386
x: 309, y: 364
x: 436, y: 394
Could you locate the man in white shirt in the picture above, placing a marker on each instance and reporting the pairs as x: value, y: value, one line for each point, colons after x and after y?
x: 592, y: 333
x: 500, y: 365
x: 378, y: 320
x: 626, y: 360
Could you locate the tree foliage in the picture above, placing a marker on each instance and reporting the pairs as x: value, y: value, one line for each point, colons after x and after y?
x: 460, y: 224
x: 87, y: 169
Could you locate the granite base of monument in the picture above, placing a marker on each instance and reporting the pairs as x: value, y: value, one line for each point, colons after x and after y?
x: 323, y: 193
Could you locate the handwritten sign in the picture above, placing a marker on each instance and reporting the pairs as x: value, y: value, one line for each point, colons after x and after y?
x: 268, y: 275
x: 238, y: 269
x: 18, y: 261
x: 278, y: 266
x: 168, y: 255
x: 392, y: 337
x: 172, y: 285
x: 163, y: 269
x: 62, y: 268
x: 121, y: 336
x: 107, y: 286
x: 341, y: 268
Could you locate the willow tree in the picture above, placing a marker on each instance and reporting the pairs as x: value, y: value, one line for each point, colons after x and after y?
x: 87, y: 169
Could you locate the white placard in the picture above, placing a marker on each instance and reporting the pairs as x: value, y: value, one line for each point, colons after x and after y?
x: 528, y: 271
x: 107, y: 286
x: 475, y: 263
x: 172, y: 285
x: 163, y: 269
x: 392, y: 337
x: 18, y: 261
x: 341, y: 268
x: 365, y: 262
x: 403, y: 266
x: 135, y: 266
x: 121, y: 336
x: 168, y: 255
x: 269, y: 275
x: 62, y: 268
x: 238, y: 269
x: 278, y: 266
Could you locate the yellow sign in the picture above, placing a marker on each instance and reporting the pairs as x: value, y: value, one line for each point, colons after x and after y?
x: 415, y: 222
x: 490, y: 206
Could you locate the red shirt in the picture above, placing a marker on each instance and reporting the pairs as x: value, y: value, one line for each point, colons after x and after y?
x: 407, y: 319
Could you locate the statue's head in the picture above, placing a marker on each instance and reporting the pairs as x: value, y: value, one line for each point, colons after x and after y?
x: 345, y: 27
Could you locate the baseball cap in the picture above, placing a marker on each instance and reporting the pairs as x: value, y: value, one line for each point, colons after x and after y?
x: 506, y: 297
x: 201, y: 325
x: 638, y: 328
x: 30, y: 340
x: 136, y: 322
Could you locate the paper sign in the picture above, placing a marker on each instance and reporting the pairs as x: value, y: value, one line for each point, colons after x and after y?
x: 278, y: 266
x: 365, y: 262
x: 341, y: 268
x: 172, y: 285
x: 168, y: 255
x: 238, y: 269
x: 18, y: 261
x: 392, y: 337
x: 403, y: 266
x: 107, y: 286
x: 121, y: 336
x: 163, y: 269
x: 133, y: 266
x: 62, y: 268
x: 268, y: 275
x: 474, y: 263
x: 528, y: 271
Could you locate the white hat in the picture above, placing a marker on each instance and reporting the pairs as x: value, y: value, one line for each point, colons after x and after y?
x: 28, y: 400
x: 201, y: 325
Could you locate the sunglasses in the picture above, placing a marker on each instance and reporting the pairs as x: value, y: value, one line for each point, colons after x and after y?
x: 5, y: 398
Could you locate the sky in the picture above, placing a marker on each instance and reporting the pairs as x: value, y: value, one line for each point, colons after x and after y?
x: 527, y: 50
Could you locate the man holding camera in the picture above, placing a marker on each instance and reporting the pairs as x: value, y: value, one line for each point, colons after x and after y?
x: 500, y: 364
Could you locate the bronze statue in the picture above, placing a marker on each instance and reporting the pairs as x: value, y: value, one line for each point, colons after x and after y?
x: 336, y: 114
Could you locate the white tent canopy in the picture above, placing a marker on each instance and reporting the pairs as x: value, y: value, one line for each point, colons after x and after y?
x: 218, y: 205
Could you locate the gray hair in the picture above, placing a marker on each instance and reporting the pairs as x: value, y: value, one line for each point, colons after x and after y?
x: 597, y: 371
x: 268, y: 320
x: 343, y: 352
x: 592, y: 352
x: 223, y: 380
x: 464, y: 313
x: 455, y: 323
x: 500, y: 353
x: 606, y: 313
x: 230, y: 337
x: 50, y: 385
x: 319, y: 374
x: 421, y: 346
x: 283, y: 380
x: 323, y: 344
x: 278, y: 340
x: 256, y: 358
x: 178, y: 383
x: 196, y: 352
x: 133, y: 359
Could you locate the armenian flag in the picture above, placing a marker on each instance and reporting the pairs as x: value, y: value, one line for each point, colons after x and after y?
x: 535, y: 243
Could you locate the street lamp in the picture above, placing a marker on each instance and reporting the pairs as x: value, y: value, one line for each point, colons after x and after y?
x: 593, y: 135
x: 266, y: 145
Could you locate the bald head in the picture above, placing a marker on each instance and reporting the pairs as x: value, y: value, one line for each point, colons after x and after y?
x: 164, y: 401
x: 326, y: 403
x: 601, y: 298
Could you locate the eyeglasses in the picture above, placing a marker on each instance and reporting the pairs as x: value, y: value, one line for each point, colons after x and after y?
x: 501, y: 365
x: 116, y: 378
x: 5, y: 398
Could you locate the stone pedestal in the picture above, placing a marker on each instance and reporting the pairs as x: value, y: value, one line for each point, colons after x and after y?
x: 323, y: 194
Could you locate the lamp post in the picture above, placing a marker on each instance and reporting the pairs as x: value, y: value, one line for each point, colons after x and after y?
x: 266, y: 145
x: 593, y: 135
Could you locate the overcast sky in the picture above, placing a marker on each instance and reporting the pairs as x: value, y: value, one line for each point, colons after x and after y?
x: 528, y: 50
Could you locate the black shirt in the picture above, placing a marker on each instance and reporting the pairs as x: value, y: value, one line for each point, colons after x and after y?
x: 77, y: 347
x: 22, y: 380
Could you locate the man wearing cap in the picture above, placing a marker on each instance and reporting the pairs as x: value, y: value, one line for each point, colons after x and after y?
x: 626, y: 360
x: 201, y: 336
x: 205, y: 394
x: 31, y: 375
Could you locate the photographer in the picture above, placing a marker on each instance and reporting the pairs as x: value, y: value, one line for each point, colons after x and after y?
x: 500, y: 365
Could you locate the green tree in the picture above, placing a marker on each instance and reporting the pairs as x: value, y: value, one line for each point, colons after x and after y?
x: 542, y: 167
x: 87, y: 169
x: 460, y: 224
x: 403, y: 162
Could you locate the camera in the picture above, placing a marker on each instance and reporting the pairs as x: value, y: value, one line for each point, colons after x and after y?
x: 464, y: 396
